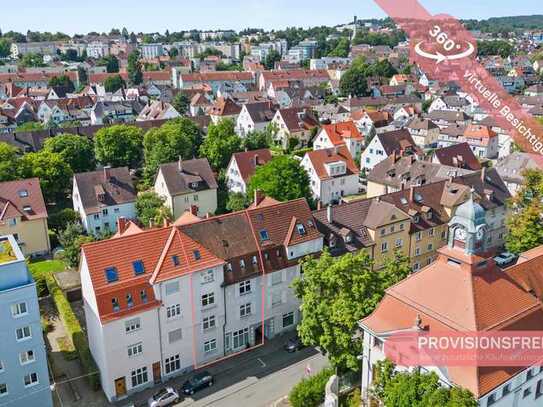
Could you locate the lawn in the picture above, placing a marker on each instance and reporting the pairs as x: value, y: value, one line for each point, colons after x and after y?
x: 40, y: 269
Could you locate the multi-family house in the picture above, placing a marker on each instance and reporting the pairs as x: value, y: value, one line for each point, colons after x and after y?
x: 103, y: 196
x: 186, y: 183
x: 425, y: 133
x: 186, y: 295
x: 224, y: 108
x: 483, y: 141
x: 23, y: 214
x: 495, y: 300
x: 456, y: 155
x: 105, y: 112
x: 372, y: 225
x: 340, y: 134
x: 240, y: 81
x: 445, y: 118
x: 511, y: 168
x: 255, y: 117
x: 332, y: 174
x: 158, y: 110
x: 306, y: 76
x: 383, y: 145
x: 294, y: 124
x: 371, y: 122
x: 242, y: 167
x: 24, y: 377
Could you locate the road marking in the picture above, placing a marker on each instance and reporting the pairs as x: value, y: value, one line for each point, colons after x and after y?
x: 279, y: 401
x: 261, y: 362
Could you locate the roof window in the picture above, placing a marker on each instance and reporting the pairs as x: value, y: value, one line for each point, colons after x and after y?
x: 112, y: 275
x: 138, y: 267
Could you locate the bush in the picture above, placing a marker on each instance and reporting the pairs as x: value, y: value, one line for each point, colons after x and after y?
x: 74, y: 331
x: 310, y: 392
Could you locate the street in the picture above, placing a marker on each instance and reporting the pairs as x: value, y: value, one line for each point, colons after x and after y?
x: 257, y: 378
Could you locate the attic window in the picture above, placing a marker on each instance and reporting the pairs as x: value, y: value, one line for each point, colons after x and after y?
x: 301, y: 229
x: 453, y: 262
x: 403, y: 200
x: 27, y: 208
x: 418, y: 197
x: 194, y: 185
x: 23, y: 193
x: 197, y: 255
x: 111, y: 275
x: 310, y: 223
x: 228, y: 266
x: 138, y: 267
x: 175, y: 260
x: 264, y: 235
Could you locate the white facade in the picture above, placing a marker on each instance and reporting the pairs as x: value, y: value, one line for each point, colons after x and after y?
x: 97, y: 50
x: 322, y: 141
x: 245, y: 123
x: 152, y: 51
x: 234, y: 180
x: 373, y: 154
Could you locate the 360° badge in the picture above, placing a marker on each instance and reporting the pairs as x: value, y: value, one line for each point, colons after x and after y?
x: 447, y: 44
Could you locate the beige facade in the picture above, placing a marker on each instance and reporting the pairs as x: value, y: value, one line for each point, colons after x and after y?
x: 31, y: 235
x: 389, y: 239
x: 424, y: 243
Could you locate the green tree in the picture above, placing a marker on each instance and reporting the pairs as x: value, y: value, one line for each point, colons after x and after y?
x: 111, y: 63
x: 5, y: 47
x: 258, y: 139
x: 342, y: 48
x: 59, y: 219
x: 119, y: 146
x: 62, y: 80
x: 181, y: 103
x: 135, y: 74
x: 524, y: 226
x: 30, y: 126
x: 71, y: 239
x: 354, y: 82
x: 282, y: 178
x: 310, y: 391
x: 54, y: 173
x: 77, y: 151
x: 236, y: 202
x: 220, y: 143
x: 114, y: 83
x: 176, y: 138
x: 8, y: 162
x: 31, y: 60
x: 151, y: 210
x: 270, y: 60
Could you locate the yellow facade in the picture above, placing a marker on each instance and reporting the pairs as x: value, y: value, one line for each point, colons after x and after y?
x: 389, y: 239
x: 424, y: 244
x: 32, y: 235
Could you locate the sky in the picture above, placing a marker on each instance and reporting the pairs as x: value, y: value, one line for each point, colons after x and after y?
x: 76, y: 16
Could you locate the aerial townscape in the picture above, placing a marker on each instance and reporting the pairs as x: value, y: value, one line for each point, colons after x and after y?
x: 246, y: 217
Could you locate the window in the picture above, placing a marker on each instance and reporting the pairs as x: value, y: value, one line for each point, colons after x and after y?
x: 240, y: 338
x: 135, y: 350
x: 115, y: 304
x: 172, y: 364
x: 175, y: 335
x: 132, y: 325
x: 197, y: 255
x: 254, y: 260
x: 506, y: 390
x: 416, y: 266
x: 526, y: 392
x: 116, y: 210
x: 3, y: 389
x: 401, y: 226
x: 399, y: 242
x: 383, y: 231
x: 23, y: 193
x: 111, y: 274
x: 538, y: 389
x: 245, y: 287
x: 264, y: 235
x: 31, y: 379
x: 138, y: 267
x: 276, y: 299
x: 300, y: 228
x: 384, y: 247
x: 26, y: 357
x: 139, y: 376
x: 13, y: 222
x: 195, y: 197
x: 392, y: 229
x: 129, y: 300
x: 443, y: 234
x: 1, y: 366
x: 19, y: 309
x: 173, y: 311
x: 277, y: 278
x: 417, y: 251
x: 491, y: 400
x: 208, y: 322
x: 104, y: 212
x: 288, y: 319
x: 175, y: 260
x: 172, y: 288
x: 430, y: 246
x: 210, y: 346
x: 143, y: 296
x: 245, y: 310
x: 23, y: 333
x: 208, y: 276
x: 242, y: 263
x: 279, y: 253
x: 228, y: 266
x: 96, y: 216
x: 431, y: 232
x: 208, y: 299
x: 418, y: 236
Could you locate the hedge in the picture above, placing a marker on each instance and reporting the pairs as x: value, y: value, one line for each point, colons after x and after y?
x: 310, y: 391
x: 74, y: 331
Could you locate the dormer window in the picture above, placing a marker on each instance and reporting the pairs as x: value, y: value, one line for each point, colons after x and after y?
x: 143, y: 296
x: 264, y: 235
x: 301, y: 229
x: 111, y: 275
x: 27, y: 208
x: 254, y: 260
x: 138, y: 267
x: 229, y: 267
x: 242, y: 263
x: 175, y: 260
x: 197, y: 255
x: 23, y: 193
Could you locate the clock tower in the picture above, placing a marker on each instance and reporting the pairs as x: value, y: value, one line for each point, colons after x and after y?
x: 467, y: 228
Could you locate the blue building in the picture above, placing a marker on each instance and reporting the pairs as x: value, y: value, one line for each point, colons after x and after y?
x: 24, y: 375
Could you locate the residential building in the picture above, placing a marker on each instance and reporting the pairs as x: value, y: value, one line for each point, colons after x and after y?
x: 224, y: 108
x: 42, y: 48
x: 332, y: 174
x: 151, y: 51
x: 97, y: 49
x: 23, y: 214
x: 24, y: 376
x: 233, y: 81
x: 424, y: 132
x: 255, y: 117
x: 383, y: 145
x: 494, y: 300
x: 102, y: 197
x: 511, y: 168
x: 340, y: 134
x: 294, y: 123
x: 158, y: 110
x: 186, y: 295
x: 456, y: 155
x: 186, y: 183
x: 483, y: 141
x: 242, y: 167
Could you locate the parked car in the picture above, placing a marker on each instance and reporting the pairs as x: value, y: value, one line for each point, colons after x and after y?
x: 164, y: 397
x: 197, y: 382
x: 294, y: 344
x: 504, y: 259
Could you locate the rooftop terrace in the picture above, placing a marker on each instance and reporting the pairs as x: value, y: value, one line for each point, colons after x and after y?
x: 7, y: 253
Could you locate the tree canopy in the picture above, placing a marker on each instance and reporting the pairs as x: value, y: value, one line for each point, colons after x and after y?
x: 220, y: 143
x: 62, y: 80
x: 499, y: 47
x: 150, y: 209
x: 111, y: 63
x: 181, y: 103
x: 135, y: 73
x: 77, y: 151
x: 8, y: 162
x: 114, y: 83
x: 118, y: 146
x: 282, y: 178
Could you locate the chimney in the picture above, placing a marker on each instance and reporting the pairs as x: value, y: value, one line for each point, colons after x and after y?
x: 329, y: 214
x: 319, y: 205
x: 483, y: 174
x: 122, y: 224
x: 256, y: 160
x: 194, y: 210
x: 180, y: 164
x: 394, y: 157
x: 166, y: 222
x: 258, y: 197
x: 107, y: 173
x: 412, y: 194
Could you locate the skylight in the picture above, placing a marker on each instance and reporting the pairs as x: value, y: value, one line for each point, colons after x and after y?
x: 300, y: 228
x: 175, y: 260
x: 403, y: 200
x: 23, y: 193
x: 138, y: 267
x: 197, y: 255
x: 264, y: 235
x: 112, y: 275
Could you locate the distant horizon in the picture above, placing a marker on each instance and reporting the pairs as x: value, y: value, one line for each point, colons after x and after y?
x: 101, y: 15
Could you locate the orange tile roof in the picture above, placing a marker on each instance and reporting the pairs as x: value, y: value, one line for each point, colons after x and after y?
x: 338, y: 132
x: 319, y: 159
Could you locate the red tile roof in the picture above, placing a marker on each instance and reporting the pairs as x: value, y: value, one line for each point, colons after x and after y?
x: 217, y: 76
x: 319, y: 159
x: 247, y: 161
x: 22, y: 199
x: 339, y: 132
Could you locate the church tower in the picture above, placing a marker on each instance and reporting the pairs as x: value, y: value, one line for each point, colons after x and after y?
x: 467, y: 228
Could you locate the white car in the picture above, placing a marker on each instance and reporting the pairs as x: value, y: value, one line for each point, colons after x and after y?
x: 503, y: 259
x: 164, y: 397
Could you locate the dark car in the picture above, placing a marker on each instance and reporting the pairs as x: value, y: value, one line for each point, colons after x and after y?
x: 197, y: 382
x: 294, y: 344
